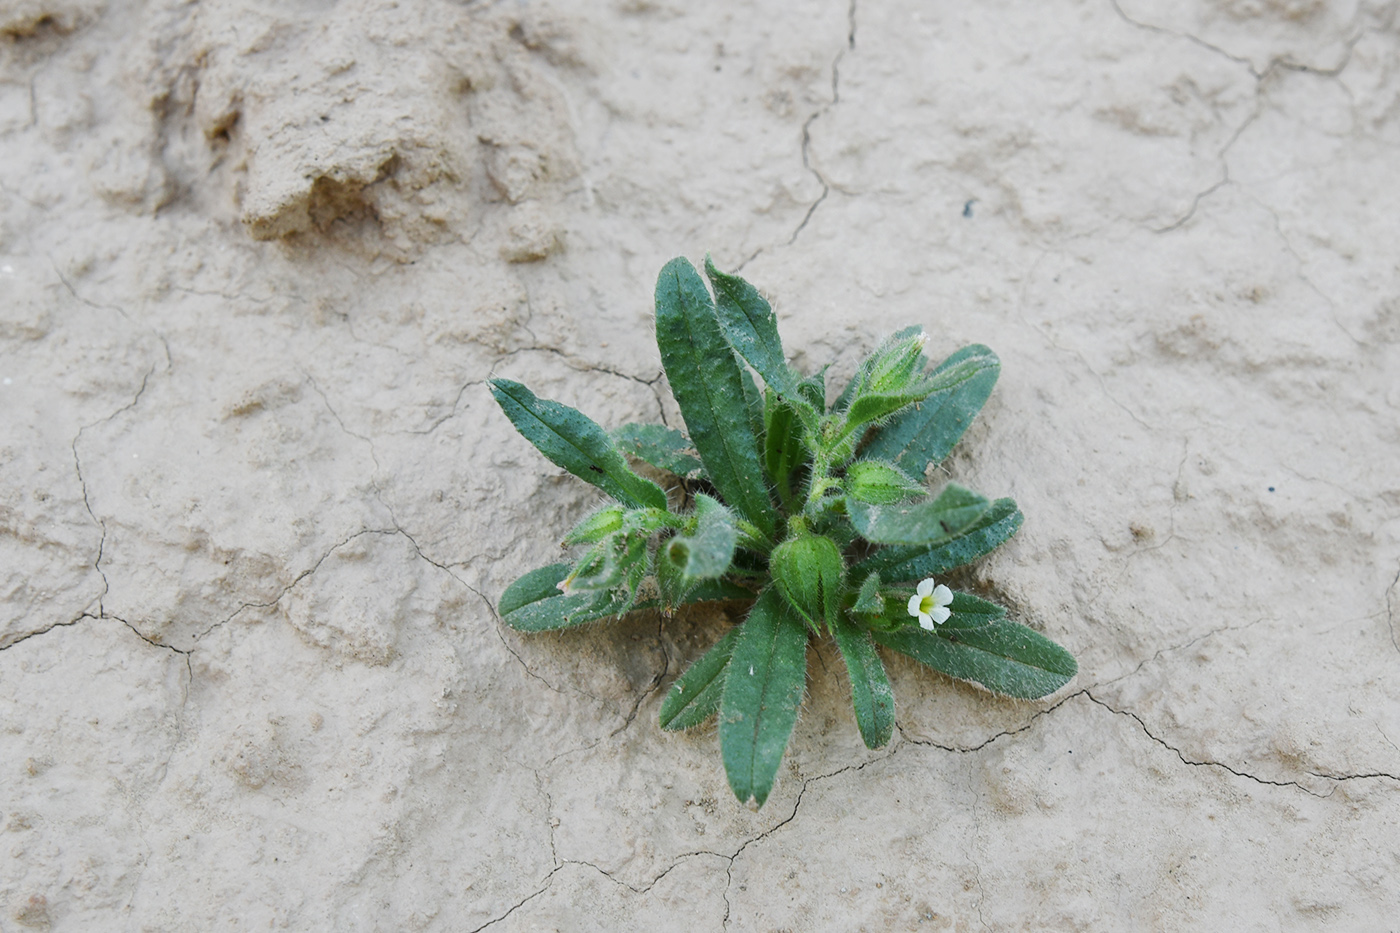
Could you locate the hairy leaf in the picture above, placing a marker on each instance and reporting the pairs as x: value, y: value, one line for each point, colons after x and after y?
x: 664, y: 448
x: 616, y: 560
x: 1003, y: 656
x: 753, y: 401
x: 783, y: 451
x: 813, y: 389
x: 573, y: 441
x: 752, y: 329
x: 926, y: 433
x: 877, y: 482
x: 762, y: 694
x: 919, y: 523
x: 983, y: 536
x: 871, y: 693
x: 540, y: 583
x: 533, y: 603
x: 695, y: 695
x: 707, y: 382
x: 869, y: 602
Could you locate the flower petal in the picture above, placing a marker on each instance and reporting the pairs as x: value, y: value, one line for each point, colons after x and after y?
x: 925, y: 586
x: 915, y: 605
x: 943, y: 596
x: 940, y: 614
x: 926, y: 621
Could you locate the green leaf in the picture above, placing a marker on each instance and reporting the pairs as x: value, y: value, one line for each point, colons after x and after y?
x: 664, y: 448
x: 926, y: 433
x: 753, y: 400
x: 573, y: 441
x: 983, y: 536
x: 561, y: 611
x: 712, y: 591
x: 869, y: 602
x: 971, y: 612
x: 868, y: 408
x: 695, y: 695
x: 708, y: 385
x: 919, y: 523
x: 871, y: 693
x: 891, y: 379
x: 1003, y: 656
x: 813, y: 389
x: 783, y: 451
x: 540, y: 583
x: 762, y: 694
x: 752, y: 329
x: 534, y: 604
x: 880, y: 483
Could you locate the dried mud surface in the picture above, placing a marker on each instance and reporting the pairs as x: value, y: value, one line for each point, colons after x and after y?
x: 256, y: 505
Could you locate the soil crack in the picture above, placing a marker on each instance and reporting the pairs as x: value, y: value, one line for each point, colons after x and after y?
x: 295, y: 581
x: 544, y: 886
x: 1201, y: 764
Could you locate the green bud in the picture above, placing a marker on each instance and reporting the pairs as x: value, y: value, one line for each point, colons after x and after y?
x: 879, y: 483
x: 810, y: 575
x: 671, y: 579
x: 895, y: 365
x: 648, y: 521
x: 596, y: 527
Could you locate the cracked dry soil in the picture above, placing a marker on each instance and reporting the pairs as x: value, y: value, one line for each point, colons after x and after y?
x: 256, y: 506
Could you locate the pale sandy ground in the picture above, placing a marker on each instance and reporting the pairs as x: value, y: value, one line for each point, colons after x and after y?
x: 256, y: 504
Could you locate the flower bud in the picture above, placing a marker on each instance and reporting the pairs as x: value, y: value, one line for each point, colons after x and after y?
x: 895, y: 365
x: 596, y: 527
x: 809, y: 573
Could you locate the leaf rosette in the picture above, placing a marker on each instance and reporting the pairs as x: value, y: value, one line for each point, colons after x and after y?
x: 813, y: 513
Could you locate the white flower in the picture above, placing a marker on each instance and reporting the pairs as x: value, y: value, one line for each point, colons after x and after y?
x: 929, y: 604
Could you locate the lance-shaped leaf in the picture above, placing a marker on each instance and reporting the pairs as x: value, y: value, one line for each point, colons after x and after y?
x: 971, y: 612
x: 869, y: 602
x: 753, y: 399
x: 565, y: 611
x: 533, y: 603
x: 762, y: 694
x: 871, y: 694
x: 540, y: 583
x: 708, y: 385
x: 783, y: 450
x: 752, y: 329
x: 927, y: 432
x: 919, y: 523
x: 695, y: 695
x: 983, y: 536
x: 1003, y: 656
x: 575, y: 442
x: 664, y: 448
